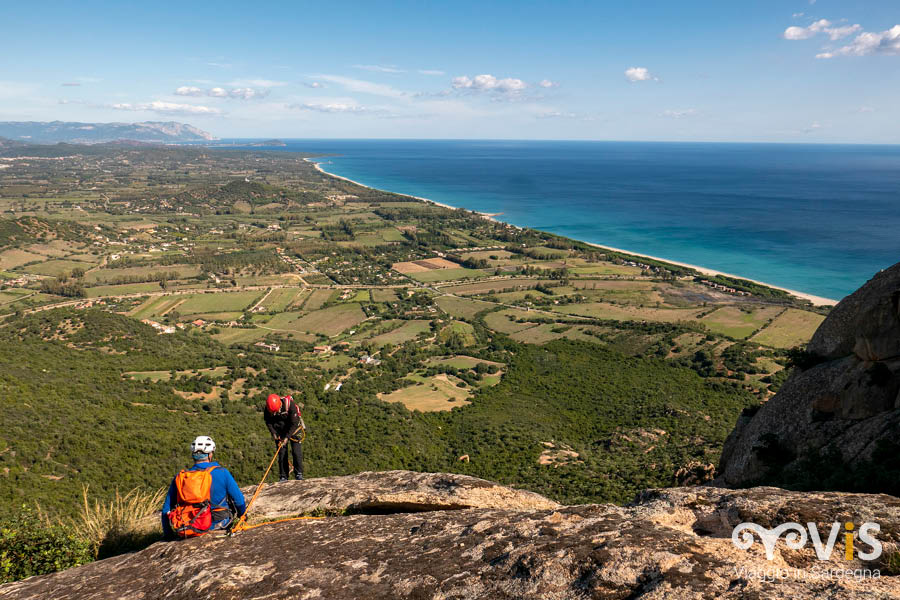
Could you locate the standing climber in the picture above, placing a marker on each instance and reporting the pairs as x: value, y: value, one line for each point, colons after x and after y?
x: 285, y: 423
x: 203, y: 497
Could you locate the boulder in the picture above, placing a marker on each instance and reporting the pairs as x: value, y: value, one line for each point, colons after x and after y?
x: 841, y: 409
x: 671, y: 544
x: 388, y: 491
x: 865, y: 323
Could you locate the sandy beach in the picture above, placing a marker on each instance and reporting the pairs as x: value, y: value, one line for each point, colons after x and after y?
x: 816, y: 300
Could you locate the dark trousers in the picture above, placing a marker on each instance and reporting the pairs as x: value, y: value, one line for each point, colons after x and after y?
x: 284, y: 465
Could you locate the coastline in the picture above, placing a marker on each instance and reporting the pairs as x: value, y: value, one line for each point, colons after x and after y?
x: 816, y: 300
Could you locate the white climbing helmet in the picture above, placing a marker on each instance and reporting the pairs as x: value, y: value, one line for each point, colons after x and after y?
x: 203, y: 444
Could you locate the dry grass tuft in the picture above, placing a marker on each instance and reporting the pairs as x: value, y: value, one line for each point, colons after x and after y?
x: 125, y: 522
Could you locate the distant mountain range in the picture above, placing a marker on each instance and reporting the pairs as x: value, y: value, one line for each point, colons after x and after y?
x: 95, y: 133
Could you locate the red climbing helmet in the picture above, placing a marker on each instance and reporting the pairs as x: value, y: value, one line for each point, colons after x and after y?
x: 273, y: 403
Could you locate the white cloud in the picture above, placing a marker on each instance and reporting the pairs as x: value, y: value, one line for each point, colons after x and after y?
x: 168, y: 108
x: 261, y: 83
x: 365, y: 87
x: 561, y: 114
x: 314, y: 84
x: 556, y: 114
x: 546, y: 83
x: 430, y: 72
x: 865, y: 109
x: 489, y: 83
x: 804, y: 33
x: 335, y: 107
x: 820, y: 26
x: 635, y: 74
x: 380, y: 68
x: 836, y: 33
x: 188, y: 90
x: 245, y: 93
x: 679, y: 114
x: 867, y: 43
x: 70, y: 84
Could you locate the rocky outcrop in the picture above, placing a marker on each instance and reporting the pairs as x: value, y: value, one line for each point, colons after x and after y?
x: 386, y: 492
x: 842, y: 408
x: 673, y: 543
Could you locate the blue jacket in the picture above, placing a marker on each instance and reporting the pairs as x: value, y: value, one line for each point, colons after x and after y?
x: 224, y: 488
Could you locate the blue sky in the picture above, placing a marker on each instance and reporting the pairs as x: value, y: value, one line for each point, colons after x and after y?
x: 785, y: 70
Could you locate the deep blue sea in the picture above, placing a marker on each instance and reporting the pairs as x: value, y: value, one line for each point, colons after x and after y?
x: 821, y: 219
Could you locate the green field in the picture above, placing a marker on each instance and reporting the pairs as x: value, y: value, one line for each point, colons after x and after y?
x: 603, y: 269
x: 238, y: 335
x: 384, y: 295
x: 460, y: 361
x: 433, y: 394
x: 603, y: 310
x: 461, y: 308
x: 485, y: 287
x: 117, y: 290
x: 284, y: 323
x: 317, y: 298
x: 736, y: 323
x: 410, y: 330
x: 447, y: 275
x: 500, y: 320
x: 57, y: 267
x: 538, y: 334
x: 218, y: 316
x: 281, y: 298
x: 464, y: 330
x: 156, y: 306
x: 218, y: 302
x: 792, y: 328
x: 10, y: 296
x: 11, y: 259
x: 330, y: 321
x: 184, y: 271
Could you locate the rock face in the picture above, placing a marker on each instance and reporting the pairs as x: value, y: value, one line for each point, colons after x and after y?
x: 842, y: 409
x: 673, y: 543
x: 386, y: 492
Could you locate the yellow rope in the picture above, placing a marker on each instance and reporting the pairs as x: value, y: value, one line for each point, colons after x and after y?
x: 241, y: 525
x: 246, y: 527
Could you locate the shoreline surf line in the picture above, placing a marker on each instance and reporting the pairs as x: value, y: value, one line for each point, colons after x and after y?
x: 816, y: 300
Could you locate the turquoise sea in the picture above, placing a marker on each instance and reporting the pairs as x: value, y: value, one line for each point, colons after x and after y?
x: 820, y: 219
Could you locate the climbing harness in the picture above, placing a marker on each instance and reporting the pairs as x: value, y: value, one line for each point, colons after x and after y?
x: 241, y: 524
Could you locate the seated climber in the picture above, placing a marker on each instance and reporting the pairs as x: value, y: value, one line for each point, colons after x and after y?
x: 203, y: 497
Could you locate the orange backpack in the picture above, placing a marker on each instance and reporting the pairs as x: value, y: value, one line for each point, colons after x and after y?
x: 192, y: 515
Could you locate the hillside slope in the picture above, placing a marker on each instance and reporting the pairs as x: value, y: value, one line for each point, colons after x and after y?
x: 75, y: 416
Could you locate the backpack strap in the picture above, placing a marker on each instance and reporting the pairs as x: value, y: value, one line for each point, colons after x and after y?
x: 210, y: 470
